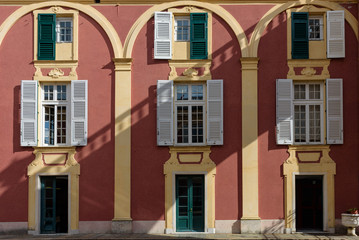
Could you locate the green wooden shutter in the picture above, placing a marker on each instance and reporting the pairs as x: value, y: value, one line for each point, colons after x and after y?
x: 199, y: 36
x: 300, y: 43
x: 46, y: 36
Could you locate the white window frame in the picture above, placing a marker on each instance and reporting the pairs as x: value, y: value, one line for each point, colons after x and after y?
x: 181, y: 18
x: 58, y: 29
x: 321, y: 28
x: 308, y: 102
x: 190, y: 103
x: 56, y: 103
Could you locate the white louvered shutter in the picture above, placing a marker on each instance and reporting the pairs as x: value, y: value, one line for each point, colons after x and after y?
x: 215, y: 112
x: 28, y: 113
x: 284, y: 111
x: 79, y: 112
x: 163, y: 35
x: 335, y: 111
x: 335, y: 34
x: 164, y: 112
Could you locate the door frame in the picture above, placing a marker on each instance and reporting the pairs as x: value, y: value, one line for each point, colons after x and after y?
x: 325, y: 197
x: 205, y: 176
x: 38, y: 201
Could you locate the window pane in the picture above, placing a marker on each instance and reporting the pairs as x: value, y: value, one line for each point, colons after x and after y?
x: 197, y: 92
x: 299, y: 123
x: 314, y: 91
x: 182, y: 124
x: 197, y: 124
x: 299, y: 91
x: 314, y: 123
x: 49, y: 131
x: 61, y: 124
x: 182, y: 92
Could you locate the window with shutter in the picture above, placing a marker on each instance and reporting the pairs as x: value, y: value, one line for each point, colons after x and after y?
x: 300, y: 112
x: 198, y: 35
x: 335, y: 34
x: 163, y: 35
x: 58, y: 101
x: 300, y: 44
x: 46, y: 36
x: 28, y: 113
x: 188, y: 118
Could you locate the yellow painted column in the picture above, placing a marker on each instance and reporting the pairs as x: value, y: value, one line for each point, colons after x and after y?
x: 31, y: 204
x: 122, y: 206
x: 250, y: 221
x: 331, y: 202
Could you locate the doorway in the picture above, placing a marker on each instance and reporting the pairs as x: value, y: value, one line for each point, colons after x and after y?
x: 190, y: 203
x: 309, y: 202
x: 54, y: 204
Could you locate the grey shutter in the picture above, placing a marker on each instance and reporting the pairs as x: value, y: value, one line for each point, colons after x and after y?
x: 284, y: 111
x: 28, y: 113
x: 335, y: 34
x: 335, y: 111
x: 163, y: 35
x: 164, y: 112
x: 79, y: 97
x: 215, y: 112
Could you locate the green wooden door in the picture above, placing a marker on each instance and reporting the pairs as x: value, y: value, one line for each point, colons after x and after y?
x: 48, y: 204
x: 190, y: 203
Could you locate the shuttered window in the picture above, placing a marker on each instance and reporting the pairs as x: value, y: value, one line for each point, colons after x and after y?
x: 58, y: 102
x: 199, y: 36
x: 300, y: 43
x: 163, y: 35
x: 79, y: 113
x: 300, y: 112
x: 335, y: 34
x: 28, y: 113
x: 182, y: 113
x: 46, y: 36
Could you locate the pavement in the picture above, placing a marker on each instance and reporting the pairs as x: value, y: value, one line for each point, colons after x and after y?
x: 138, y: 236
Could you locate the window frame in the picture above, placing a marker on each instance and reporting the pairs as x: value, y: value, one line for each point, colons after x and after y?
x: 190, y: 103
x: 55, y: 103
x: 58, y: 29
x: 321, y: 27
x: 182, y: 18
x: 307, y: 102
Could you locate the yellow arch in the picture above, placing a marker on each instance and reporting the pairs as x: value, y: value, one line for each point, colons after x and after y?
x: 268, y: 17
x: 141, y: 21
x: 90, y: 11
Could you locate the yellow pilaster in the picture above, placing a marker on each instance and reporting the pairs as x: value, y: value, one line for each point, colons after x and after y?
x: 250, y: 219
x: 31, y: 204
x: 122, y: 206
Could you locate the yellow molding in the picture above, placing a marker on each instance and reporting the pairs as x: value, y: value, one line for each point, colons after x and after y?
x: 38, y: 168
x: 145, y: 2
x: 173, y: 166
x: 277, y: 9
x: 122, y: 201
x: 250, y: 201
x: 220, y: 11
x: 71, y: 49
x: 190, y: 74
x: 90, y: 11
x: 325, y: 166
x: 56, y: 66
x: 308, y: 73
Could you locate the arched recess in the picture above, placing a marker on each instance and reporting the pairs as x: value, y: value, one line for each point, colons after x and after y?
x: 146, y: 16
x: 90, y: 11
x: 268, y: 17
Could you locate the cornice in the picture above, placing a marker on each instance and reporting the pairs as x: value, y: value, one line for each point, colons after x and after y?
x: 151, y: 2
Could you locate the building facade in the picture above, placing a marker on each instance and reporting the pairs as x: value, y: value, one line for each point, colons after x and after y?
x: 178, y: 116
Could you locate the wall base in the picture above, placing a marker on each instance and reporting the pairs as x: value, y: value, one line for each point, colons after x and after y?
x: 95, y: 226
x: 150, y: 227
x: 228, y: 226
x: 250, y: 226
x: 272, y: 226
x: 121, y: 226
x: 13, y: 228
